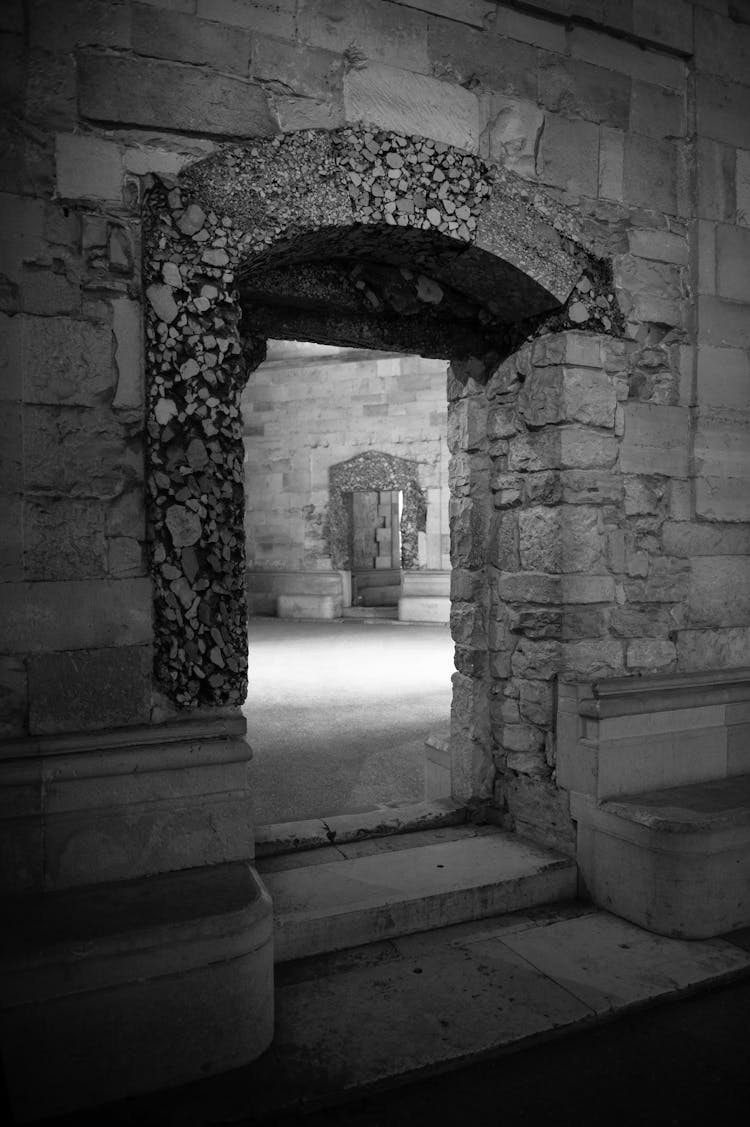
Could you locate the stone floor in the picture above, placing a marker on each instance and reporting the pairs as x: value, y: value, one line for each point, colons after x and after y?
x: 338, y: 713
x: 352, y: 1025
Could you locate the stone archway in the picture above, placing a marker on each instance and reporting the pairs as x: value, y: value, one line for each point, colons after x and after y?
x: 350, y: 237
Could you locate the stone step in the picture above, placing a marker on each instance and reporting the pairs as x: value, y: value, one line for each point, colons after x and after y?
x: 339, y: 829
x: 346, y: 895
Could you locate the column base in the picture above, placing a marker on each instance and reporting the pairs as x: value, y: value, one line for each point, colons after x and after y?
x: 124, y: 988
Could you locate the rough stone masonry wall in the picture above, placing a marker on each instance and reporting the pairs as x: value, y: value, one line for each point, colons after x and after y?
x: 639, y: 126
x: 303, y: 418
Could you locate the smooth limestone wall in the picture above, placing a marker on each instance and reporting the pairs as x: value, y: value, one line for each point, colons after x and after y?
x: 307, y: 408
x: 638, y: 125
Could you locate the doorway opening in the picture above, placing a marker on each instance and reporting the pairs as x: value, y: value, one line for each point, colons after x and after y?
x: 347, y: 685
x: 376, y: 547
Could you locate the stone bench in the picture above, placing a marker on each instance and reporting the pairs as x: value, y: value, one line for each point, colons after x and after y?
x: 95, y: 981
x: 658, y: 772
x: 675, y: 861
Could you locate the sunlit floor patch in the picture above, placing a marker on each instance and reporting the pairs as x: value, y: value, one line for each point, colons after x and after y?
x: 338, y: 713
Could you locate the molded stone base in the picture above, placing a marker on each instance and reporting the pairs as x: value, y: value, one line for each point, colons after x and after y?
x: 674, y: 861
x: 116, y: 989
x: 122, y: 803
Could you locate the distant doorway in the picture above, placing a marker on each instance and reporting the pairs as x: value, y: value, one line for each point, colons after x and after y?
x: 376, y: 547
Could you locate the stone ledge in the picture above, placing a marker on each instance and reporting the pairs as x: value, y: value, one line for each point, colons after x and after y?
x: 659, y: 692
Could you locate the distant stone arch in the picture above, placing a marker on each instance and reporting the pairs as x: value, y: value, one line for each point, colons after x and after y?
x: 354, y: 236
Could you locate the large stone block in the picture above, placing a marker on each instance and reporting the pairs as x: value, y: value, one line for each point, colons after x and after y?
x: 720, y: 591
x: 723, y: 378
x: 13, y: 696
x: 723, y: 110
x: 537, y: 661
x: 651, y: 655
x: 715, y: 168
x: 44, y: 617
x: 660, y: 246
x: 627, y: 58
x: 384, y: 33
x: 667, y: 22
x: 722, y: 463
x: 699, y: 538
x: 580, y: 89
x: 723, y: 323
x: 165, y: 95
x: 666, y: 582
x: 66, y: 361
x: 569, y: 394
x: 569, y: 155
x: 83, y: 452
x: 563, y: 447
x: 182, y: 37
x: 499, y: 64
x: 650, y: 173
x: 64, y: 539
x: 11, y: 383
x: 308, y: 72
x: 722, y: 46
x: 11, y: 538
x: 45, y: 291
x: 565, y: 539
x: 593, y: 657
x: 270, y: 17
x: 83, y: 690
x: 649, y: 621
x: 733, y: 262
x: 61, y: 27
x: 11, y: 447
x: 395, y: 99
x: 656, y: 440
x: 88, y: 168
x: 611, y: 163
x: 714, y: 649
x: 656, y: 112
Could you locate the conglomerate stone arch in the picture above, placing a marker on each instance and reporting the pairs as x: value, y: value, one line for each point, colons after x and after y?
x: 461, y: 243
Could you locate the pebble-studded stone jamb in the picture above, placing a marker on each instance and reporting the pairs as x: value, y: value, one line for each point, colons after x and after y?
x: 375, y: 471
x: 196, y: 370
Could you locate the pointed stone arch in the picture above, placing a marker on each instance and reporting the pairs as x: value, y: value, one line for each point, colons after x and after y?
x: 468, y: 261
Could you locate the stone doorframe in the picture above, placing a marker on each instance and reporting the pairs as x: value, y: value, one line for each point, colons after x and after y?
x: 502, y: 258
x: 377, y: 471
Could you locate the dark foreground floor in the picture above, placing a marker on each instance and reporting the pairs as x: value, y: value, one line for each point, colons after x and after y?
x: 685, y: 1062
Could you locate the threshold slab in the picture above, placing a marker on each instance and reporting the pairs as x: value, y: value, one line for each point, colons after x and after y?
x: 376, y: 889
